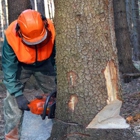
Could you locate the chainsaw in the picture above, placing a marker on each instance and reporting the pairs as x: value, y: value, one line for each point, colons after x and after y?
x: 44, y: 105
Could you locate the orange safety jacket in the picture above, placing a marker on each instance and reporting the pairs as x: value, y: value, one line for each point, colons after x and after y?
x: 26, y: 54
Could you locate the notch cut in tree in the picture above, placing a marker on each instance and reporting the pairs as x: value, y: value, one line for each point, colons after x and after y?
x: 109, y: 117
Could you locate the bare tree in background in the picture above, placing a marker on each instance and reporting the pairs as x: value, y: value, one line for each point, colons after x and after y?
x: 15, y: 7
x: 133, y: 20
x: 38, y: 5
x: 123, y: 41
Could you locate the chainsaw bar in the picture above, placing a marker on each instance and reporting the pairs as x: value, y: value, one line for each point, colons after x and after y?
x: 51, y: 104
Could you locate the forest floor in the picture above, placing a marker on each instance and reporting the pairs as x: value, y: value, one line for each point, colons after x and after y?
x: 131, y: 106
x: 130, y: 110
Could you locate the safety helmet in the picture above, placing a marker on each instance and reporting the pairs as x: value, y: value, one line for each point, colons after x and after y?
x: 32, y: 28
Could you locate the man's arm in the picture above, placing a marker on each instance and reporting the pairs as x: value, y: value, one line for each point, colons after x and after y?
x: 10, y: 68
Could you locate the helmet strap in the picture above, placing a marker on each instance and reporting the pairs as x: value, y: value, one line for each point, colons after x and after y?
x: 44, y: 19
x: 18, y: 32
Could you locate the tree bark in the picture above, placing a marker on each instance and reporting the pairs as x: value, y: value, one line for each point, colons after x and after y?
x: 87, y: 69
x: 15, y: 7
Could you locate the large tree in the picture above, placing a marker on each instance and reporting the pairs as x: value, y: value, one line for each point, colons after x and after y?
x: 89, y: 92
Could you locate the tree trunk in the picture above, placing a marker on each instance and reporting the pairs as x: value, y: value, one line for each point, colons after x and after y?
x: 135, y: 35
x: 41, y: 9
x: 15, y: 7
x: 89, y: 92
x: 39, y: 6
x: 3, y: 17
x: 123, y: 41
x: 133, y: 23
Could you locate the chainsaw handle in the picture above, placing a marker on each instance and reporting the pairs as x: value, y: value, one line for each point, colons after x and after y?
x: 46, y: 103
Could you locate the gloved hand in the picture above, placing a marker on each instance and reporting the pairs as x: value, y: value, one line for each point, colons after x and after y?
x: 22, y: 102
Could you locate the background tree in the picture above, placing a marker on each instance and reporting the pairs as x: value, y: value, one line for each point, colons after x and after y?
x: 132, y: 11
x: 39, y: 6
x: 87, y: 70
x: 123, y: 42
x: 15, y: 7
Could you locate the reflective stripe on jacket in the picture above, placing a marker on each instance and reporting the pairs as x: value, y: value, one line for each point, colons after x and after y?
x: 26, y: 54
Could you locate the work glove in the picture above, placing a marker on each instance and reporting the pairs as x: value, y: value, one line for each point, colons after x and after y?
x: 22, y: 102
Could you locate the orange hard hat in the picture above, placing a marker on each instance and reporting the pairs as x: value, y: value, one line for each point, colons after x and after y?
x: 32, y: 28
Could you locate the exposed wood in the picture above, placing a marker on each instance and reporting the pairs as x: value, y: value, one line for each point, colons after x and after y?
x: 111, y: 81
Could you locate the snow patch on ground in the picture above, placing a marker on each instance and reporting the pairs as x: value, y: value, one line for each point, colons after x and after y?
x: 34, y: 128
x: 109, y: 118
